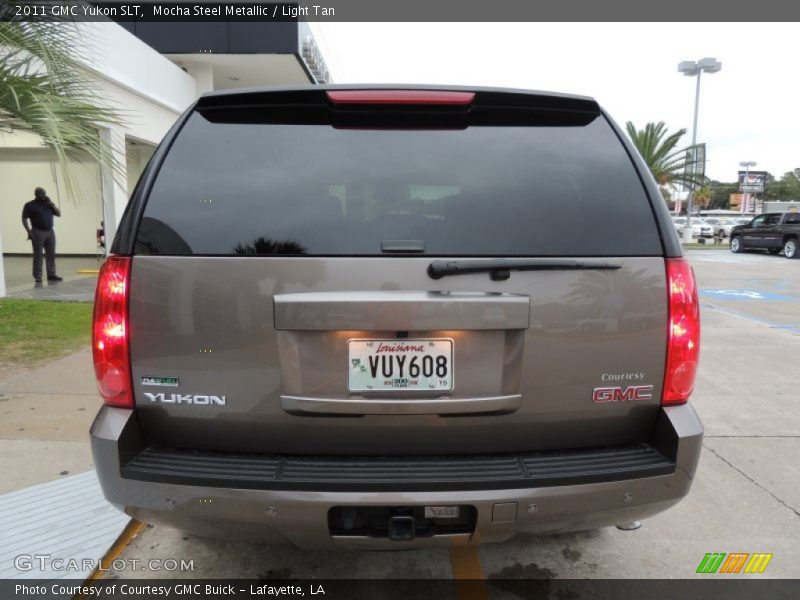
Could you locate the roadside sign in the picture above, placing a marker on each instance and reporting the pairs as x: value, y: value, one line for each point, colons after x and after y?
x: 755, y: 183
x: 695, y: 161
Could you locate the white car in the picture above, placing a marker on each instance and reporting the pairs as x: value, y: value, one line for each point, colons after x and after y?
x: 679, y: 223
x: 700, y: 229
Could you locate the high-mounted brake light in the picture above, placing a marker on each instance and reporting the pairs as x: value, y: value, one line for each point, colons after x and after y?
x: 683, y: 338
x: 110, y: 333
x: 437, y: 97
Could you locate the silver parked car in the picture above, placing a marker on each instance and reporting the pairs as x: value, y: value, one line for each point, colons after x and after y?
x: 337, y: 316
x: 730, y: 224
x: 722, y: 225
x: 717, y: 225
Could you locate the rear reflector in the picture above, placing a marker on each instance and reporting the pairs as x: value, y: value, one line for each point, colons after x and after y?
x: 421, y: 97
x: 683, y: 342
x: 110, y: 333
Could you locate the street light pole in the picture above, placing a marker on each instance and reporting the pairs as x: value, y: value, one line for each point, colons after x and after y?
x: 687, y: 232
x: 695, y: 69
x: 696, y: 109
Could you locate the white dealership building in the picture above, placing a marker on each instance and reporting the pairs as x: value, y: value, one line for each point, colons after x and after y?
x: 151, y: 72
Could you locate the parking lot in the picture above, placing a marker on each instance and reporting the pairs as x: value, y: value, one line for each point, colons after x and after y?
x: 745, y: 497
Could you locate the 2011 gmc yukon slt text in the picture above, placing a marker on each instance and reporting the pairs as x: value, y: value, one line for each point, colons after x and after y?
x: 357, y: 317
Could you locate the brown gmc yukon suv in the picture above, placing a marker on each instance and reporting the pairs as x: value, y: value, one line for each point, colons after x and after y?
x: 395, y: 317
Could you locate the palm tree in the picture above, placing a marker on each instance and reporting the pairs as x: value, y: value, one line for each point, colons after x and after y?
x: 44, y: 89
x: 658, y: 149
x: 703, y: 196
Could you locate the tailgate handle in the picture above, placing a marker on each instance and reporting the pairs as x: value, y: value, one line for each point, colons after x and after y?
x: 401, y: 311
x: 305, y: 405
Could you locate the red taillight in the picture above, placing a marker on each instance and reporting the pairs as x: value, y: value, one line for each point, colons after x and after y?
x: 683, y: 341
x: 110, y: 333
x: 438, y: 97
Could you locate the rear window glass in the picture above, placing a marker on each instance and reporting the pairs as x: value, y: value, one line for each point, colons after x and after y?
x: 285, y: 189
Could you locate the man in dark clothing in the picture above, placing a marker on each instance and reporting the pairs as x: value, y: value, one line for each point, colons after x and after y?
x: 40, y: 212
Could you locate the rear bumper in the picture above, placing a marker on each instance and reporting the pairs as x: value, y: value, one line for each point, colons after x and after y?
x: 553, y: 494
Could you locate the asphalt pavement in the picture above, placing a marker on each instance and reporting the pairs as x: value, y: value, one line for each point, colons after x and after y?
x: 45, y: 414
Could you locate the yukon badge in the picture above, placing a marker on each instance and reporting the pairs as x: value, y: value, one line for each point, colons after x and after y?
x: 619, y: 394
x: 185, y: 399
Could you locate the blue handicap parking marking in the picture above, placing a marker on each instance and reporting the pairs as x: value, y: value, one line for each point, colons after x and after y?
x: 733, y: 294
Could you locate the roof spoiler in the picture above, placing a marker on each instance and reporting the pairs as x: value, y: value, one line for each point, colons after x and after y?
x: 397, y: 97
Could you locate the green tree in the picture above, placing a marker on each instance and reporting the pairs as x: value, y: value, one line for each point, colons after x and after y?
x: 721, y: 194
x: 702, y: 197
x: 785, y: 188
x: 660, y: 151
x: 45, y: 90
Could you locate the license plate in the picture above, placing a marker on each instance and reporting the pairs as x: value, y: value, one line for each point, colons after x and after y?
x: 423, y: 365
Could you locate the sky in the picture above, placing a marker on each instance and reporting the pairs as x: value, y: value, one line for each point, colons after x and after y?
x: 749, y: 111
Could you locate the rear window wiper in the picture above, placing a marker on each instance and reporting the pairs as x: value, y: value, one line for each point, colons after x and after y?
x: 500, y: 269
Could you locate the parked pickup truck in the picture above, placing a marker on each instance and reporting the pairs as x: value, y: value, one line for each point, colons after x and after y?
x: 774, y: 232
